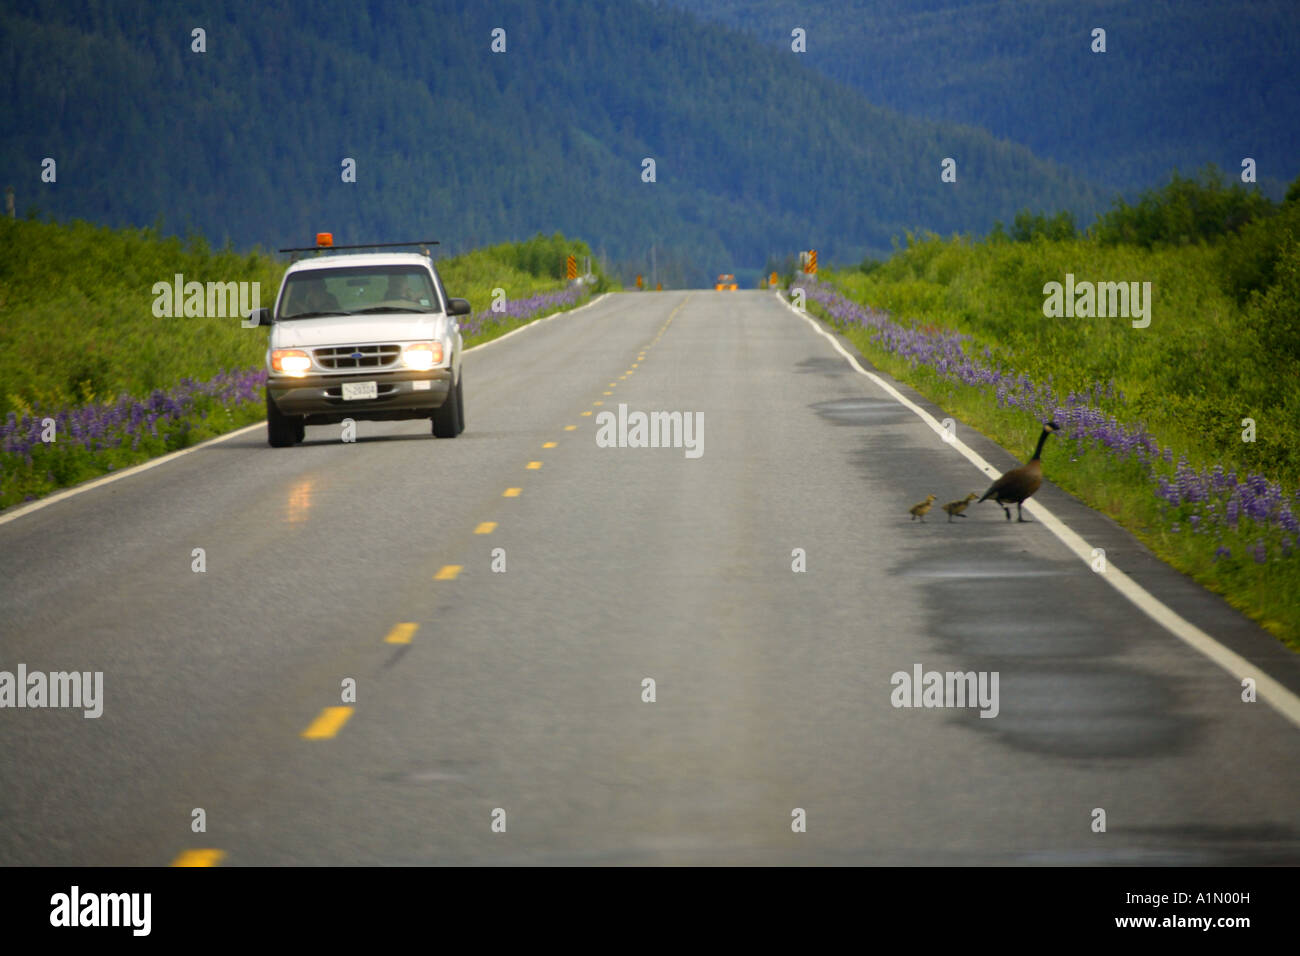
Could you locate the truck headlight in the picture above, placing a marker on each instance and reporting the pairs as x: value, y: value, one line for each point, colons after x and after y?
x: 422, y: 356
x: 293, y: 362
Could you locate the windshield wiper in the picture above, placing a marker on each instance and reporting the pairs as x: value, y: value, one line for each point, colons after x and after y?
x: 390, y: 308
x: 312, y: 315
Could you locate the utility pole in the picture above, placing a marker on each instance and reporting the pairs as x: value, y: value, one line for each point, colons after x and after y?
x: 654, y: 266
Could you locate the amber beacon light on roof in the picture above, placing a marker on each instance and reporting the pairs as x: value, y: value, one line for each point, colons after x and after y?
x: 325, y: 240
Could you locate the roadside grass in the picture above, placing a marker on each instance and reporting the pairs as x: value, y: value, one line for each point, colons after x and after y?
x: 1191, y: 376
x: 76, y: 314
x: 520, y: 269
x: 81, y: 347
x: 1153, y: 416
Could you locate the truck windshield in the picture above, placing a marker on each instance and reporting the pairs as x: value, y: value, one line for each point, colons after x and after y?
x: 358, y: 289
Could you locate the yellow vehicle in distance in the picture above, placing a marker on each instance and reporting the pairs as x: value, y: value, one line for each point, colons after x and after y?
x: 726, y: 283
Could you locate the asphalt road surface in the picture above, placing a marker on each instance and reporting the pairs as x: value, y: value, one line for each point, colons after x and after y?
x: 517, y: 698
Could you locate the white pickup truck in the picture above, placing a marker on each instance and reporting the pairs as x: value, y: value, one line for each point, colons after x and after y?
x: 362, y: 336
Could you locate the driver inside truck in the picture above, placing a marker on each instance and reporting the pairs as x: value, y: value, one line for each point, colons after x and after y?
x: 314, y: 297
x: 399, y: 287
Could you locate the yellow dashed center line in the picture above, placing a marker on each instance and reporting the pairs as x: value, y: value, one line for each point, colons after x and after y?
x: 401, y: 633
x: 330, y: 721
x: 199, y: 858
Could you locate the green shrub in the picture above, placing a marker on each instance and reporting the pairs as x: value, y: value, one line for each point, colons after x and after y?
x: 1187, y: 210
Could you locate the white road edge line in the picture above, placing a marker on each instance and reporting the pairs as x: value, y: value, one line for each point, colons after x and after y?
x: 66, y: 493
x: 1269, y: 690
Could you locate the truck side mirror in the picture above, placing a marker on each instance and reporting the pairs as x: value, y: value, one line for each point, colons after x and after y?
x: 458, y: 307
x: 256, y: 318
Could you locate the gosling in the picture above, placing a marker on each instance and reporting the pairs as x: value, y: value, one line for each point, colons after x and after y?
x: 955, y: 508
x: 920, y: 509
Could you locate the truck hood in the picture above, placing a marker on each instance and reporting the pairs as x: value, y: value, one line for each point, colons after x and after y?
x: 357, y: 330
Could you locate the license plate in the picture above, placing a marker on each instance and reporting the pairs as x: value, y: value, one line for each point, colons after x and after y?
x: 355, y: 390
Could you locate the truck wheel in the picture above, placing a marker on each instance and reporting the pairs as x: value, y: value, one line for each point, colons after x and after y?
x: 447, y: 420
x: 281, y: 430
x: 460, y: 405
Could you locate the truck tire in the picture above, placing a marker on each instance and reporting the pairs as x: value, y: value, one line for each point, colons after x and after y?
x: 282, y: 430
x: 460, y: 405
x: 448, y: 420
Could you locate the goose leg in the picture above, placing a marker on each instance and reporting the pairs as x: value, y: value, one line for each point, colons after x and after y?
x: 1019, y: 516
x: 1008, y: 511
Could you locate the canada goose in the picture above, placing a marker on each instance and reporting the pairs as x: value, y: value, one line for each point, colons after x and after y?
x: 955, y: 508
x: 919, y: 509
x: 1019, y: 483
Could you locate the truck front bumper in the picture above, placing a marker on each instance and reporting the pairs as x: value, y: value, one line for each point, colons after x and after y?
x: 402, y: 394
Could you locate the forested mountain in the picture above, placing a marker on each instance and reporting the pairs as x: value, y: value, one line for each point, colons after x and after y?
x: 1182, y: 84
x: 755, y: 152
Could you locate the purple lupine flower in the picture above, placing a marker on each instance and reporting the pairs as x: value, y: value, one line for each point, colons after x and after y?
x: 1287, y: 519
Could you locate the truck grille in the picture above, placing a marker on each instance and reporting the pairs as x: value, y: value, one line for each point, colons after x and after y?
x: 357, y: 356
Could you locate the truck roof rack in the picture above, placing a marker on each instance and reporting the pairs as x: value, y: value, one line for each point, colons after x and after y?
x: 362, y: 245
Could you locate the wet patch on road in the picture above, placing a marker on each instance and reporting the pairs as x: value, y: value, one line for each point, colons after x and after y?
x: 862, y: 411
x: 1055, y: 636
x: 1184, y: 844
x: 444, y: 771
x: 829, y: 367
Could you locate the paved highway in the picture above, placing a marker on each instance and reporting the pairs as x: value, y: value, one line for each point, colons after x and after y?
x: 522, y: 690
